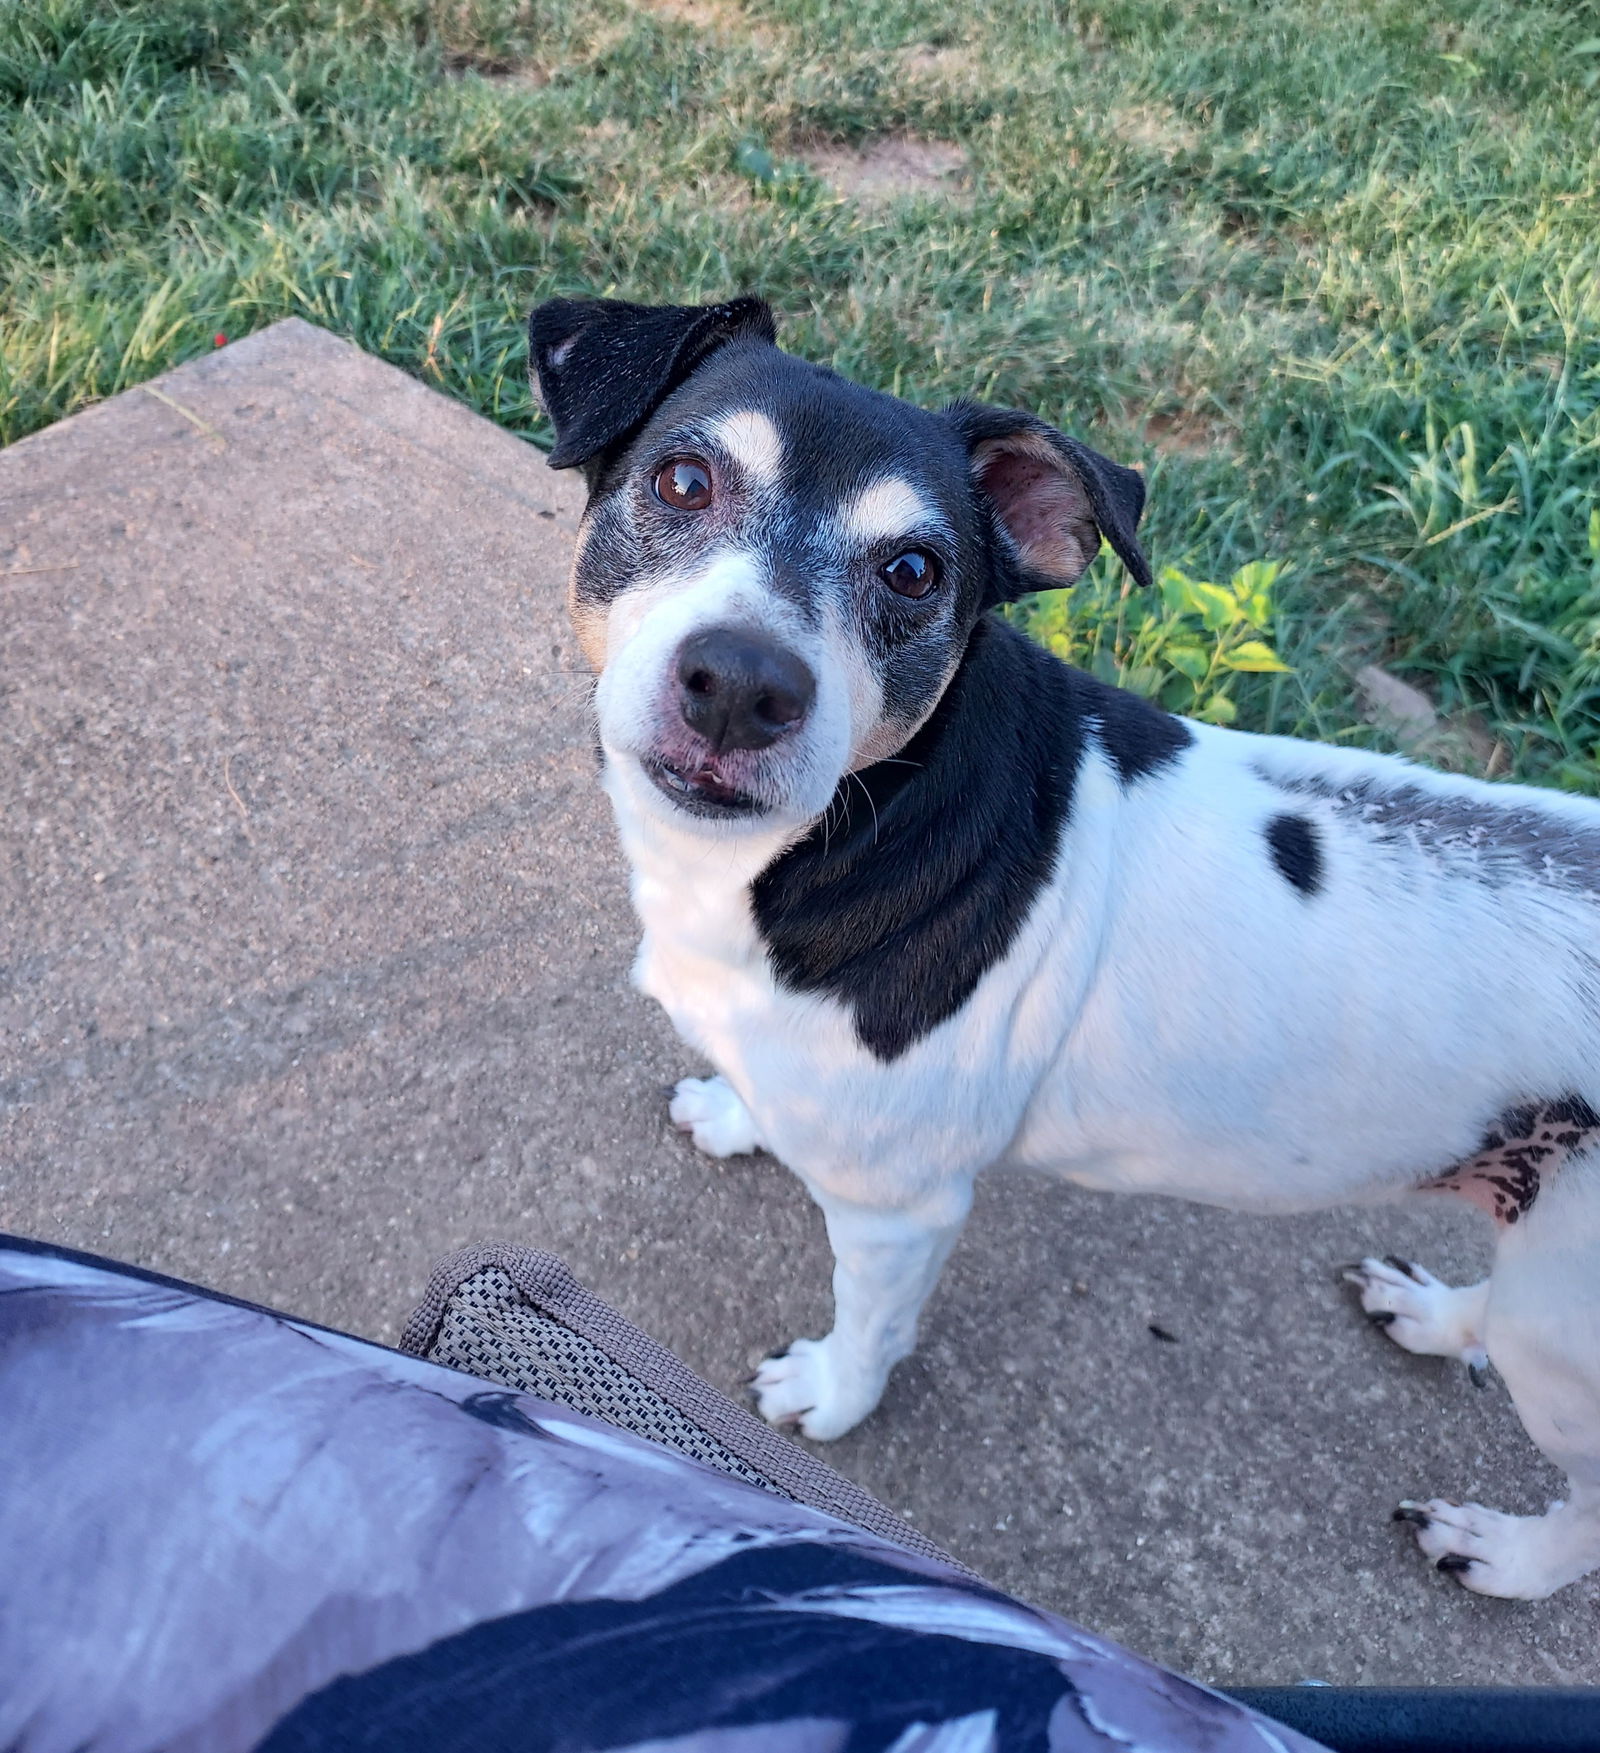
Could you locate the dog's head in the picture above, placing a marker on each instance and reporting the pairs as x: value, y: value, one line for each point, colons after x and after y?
x: 778, y: 570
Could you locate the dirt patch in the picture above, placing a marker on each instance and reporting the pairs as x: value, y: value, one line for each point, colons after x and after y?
x: 1459, y: 742
x: 1407, y: 710
x: 1185, y: 433
x: 1155, y: 127
x: 951, y: 62
x: 894, y: 167
x: 460, y: 62
x: 725, y: 16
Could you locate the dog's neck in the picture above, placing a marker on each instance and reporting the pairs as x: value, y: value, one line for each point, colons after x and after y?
x: 925, y: 866
x: 919, y: 875
x: 689, y: 890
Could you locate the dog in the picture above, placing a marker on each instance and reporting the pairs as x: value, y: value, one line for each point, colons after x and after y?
x: 931, y: 901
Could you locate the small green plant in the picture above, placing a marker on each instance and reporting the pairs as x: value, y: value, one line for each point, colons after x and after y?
x: 1185, y: 650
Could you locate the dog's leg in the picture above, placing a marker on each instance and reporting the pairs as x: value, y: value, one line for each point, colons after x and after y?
x: 1419, y: 1313
x: 710, y: 1111
x: 1522, y: 1558
x: 1541, y: 1325
x: 885, y: 1264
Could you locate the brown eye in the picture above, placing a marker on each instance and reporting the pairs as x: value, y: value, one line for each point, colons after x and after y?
x: 684, y: 484
x: 912, y: 574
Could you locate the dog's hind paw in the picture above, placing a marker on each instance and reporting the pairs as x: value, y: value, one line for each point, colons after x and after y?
x: 805, y: 1386
x: 1519, y: 1558
x: 1421, y: 1314
x: 710, y: 1111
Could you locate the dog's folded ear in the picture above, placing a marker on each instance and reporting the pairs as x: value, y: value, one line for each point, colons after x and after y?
x: 1052, y: 497
x: 601, y: 367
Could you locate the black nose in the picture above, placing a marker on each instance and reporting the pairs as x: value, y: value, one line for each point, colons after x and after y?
x: 741, y: 690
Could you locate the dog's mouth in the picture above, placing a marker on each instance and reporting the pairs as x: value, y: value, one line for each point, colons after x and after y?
x: 700, y: 789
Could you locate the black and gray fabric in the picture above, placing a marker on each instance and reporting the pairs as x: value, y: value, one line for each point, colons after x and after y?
x: 490, y: 1331
x: 517, y: 1316
x: 222, y: 1529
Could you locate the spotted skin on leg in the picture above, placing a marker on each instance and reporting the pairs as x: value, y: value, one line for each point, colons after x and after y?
x: 1523, y: 1148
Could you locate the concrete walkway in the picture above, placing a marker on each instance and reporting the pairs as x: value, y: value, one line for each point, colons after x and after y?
x: 313, y: 942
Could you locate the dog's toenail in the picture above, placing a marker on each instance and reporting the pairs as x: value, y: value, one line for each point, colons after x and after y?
x: 1408, y: 1512
x: 1478, y: 1374
x: 1405, y: 1266
x: 1381, y: 1317
x: 1454, y: 1561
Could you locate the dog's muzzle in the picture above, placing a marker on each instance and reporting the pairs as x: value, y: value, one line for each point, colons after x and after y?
x: 737, y: 691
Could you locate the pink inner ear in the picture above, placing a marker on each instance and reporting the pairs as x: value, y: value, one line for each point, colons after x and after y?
x: 1044, y: 509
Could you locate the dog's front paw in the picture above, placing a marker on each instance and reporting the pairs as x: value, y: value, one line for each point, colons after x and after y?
x: 1518, y: 1558
x: 710, y: 1111
x: 805, y: 1385
x: 1421, y: 1314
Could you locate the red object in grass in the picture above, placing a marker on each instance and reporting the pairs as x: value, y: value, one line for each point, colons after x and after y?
x: 219, y: 340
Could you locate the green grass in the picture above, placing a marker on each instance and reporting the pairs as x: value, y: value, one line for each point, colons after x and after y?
x: 1331, y: 274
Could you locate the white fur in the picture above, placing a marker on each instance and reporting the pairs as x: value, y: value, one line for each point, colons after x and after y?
x: 1422, y: 1315
x: 709, y: 1110
x: 634, y: 697
x: 1524, y: 1558
x: 1173, y: 1017
x: 754, y: 443
x: 888, y: 509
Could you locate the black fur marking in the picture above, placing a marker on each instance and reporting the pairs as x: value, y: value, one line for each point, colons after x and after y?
x: 920, y: 876
x: 601, y: 365
x: 1293, y: 842
x: 1479, y: 835
x: 1137, y: 737
x: 1524, y: 1145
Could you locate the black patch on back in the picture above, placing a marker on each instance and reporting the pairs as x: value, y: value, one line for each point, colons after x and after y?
x: 920, y: 875
x: 1136, y: 736
x: 1477, y: 834
x: 1293, y: 842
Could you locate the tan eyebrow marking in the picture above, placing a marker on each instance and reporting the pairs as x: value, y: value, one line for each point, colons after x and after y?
x: 754, y: 443
x: 888, y: 507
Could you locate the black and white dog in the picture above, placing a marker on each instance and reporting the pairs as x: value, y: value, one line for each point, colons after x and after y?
x: 931, y: 901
